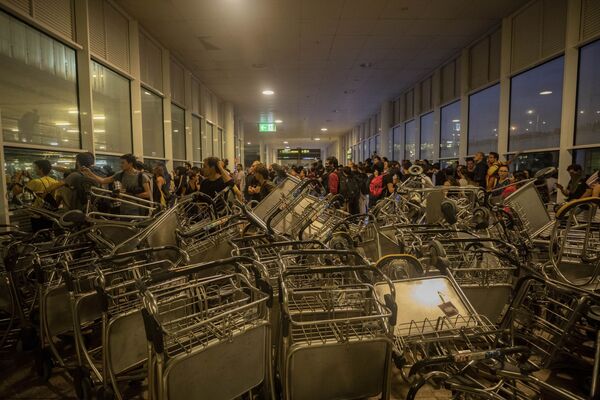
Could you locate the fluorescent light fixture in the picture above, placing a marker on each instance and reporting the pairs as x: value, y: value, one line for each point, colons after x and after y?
x: 268, y: 92
x: 146, y: 92
x: 248, y: 143
x: 73, y: 130
x: 278, y: 121
x: 324, y: 129
x: 15, y: 130
x: 65, y: 140
x: 287, y: 147
x: 73, y: 111
x: 176, y: 130
x: 317, y: 138
x: 62, y: 123
x: 102, y: 147
x: 99, y: 116
x: 456, y: 120
x: 529, y: 111
x: 99, y: 131
x: 285, y: 142
x: 53, y: 144
x: 545, y: 92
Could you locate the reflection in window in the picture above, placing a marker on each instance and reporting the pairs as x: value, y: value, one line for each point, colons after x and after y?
x: 18, y: 167
x: 178, y: 130
x: 535, y: 107
x: 483, y: 120
x: 112, y: 162
x: 396, y: 144
x: 38, y: 87
x: 450, y: 130
x: 427, y: 137
x: 410, y: 138
x: 196, y: 139
x: 588, y: 96
x: 111, y: 109
x: 533, y: 162
x: 589, y: 159
x: 152, y: 124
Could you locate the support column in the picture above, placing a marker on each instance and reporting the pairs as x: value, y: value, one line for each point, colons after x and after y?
x: 261, y: 152
x: 242, y: 142
x: 84, y: 84
x: 135, y: 90
x: 569, y: 95
x: 167, y: 126
x: 386, y: 130
x: 504, y: 110
x: 228, y: 132
x: 436, y: 90
x: 464, y: 105
x: 189, y: 143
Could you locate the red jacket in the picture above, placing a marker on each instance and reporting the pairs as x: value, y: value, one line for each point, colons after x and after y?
x: 333, y: 183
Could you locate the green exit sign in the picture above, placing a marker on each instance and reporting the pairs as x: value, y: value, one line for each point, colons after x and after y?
x: 267, y: 127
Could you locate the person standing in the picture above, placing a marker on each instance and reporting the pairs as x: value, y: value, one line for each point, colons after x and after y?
x: 480, y: 170
x: 240, y: 177
x: 265, y: 186
x: 577, y: 186
x: 43, y: 188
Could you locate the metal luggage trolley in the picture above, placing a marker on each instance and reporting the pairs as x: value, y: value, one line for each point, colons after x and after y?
x: 209, y: 336
x: 335, y: 331
x: 560, y: 323
x: 484, y: 268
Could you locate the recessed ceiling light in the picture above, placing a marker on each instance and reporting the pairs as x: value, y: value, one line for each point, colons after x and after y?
x: 285, y: 142
x: 317, y: 138
x: 248, y: 143
x: 61, y: 123
x: 324, y: 129
x: 268, y: 92
x: 545, y: 92
x: 73, y: 112
x: 529, y: 111
x: 99, y: 116
x: 456, y: 120
x: 278, y: 121
x: 287, y: 147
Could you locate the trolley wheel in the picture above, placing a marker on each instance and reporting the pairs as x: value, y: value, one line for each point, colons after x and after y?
x: 82, y: 383
x: 105, y: 393
x: 44, y: 364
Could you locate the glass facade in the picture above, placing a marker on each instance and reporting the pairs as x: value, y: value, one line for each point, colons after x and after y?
x: 535, y: 161
x: 450, y: 130
x: 410, y: 140
x: 484, y: 109
x: 397, y: 143
x: 178, y: 131
x: 589, y: 159
x: 38, y: 87
x: 536, y: 106
x: 111, y: 109
x: 587, y: 129
x: 427, y: 137
x: 152, y: 124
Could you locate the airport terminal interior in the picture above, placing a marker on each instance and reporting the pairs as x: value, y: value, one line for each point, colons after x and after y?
x: 300, y: 199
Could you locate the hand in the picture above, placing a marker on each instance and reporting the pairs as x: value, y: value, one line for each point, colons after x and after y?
x: 86, y: 171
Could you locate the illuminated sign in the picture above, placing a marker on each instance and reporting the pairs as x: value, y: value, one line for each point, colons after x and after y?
x: 267, y: 127
x: 298, y: 154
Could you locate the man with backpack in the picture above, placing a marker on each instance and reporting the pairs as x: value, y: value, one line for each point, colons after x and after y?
x: 330, y: 179
x: 349, y: 189
x: 133, y: 183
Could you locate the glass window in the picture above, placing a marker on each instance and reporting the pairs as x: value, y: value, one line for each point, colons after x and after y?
x: 396, y: 144
x: 410, y: 138
x: 588, y: 96
x: 196, y: 138
x: 589, y: 159
x: 152, y: 124
x: 372, y: 148
x: 112, y: 162
x: 450, y: 130
x: 535, y: 107
x: 19, y: 162
x: 38, y: 87
x: 178, y: 129
x: 427, y: 137
x: 111, y: 109
x: 484, y: 109
x: 365, y: 146
x: 535, y: 161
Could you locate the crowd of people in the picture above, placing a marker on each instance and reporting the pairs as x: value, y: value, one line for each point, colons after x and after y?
x: 359, y: 186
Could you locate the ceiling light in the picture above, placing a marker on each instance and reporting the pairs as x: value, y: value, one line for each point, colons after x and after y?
x: 545, y: 92
x: 529, y: 111
x: 60, y: 123
x: 581, y: 112
x: 278, y: 121
x: 102, y: 147
x: 99, y: 131
x: 146, y: 92
x: 248, y: 143
x: 287, y: 147
x: 324, y: 129
x: 268, y: 92
x: 176, y: 130
x: 99, y: 116
x: 285, y: 142
x: 65, y: 140
x: 73, y: 111
x: 317, y: 138
x: 73, y: 130
x: 14, y: 130
x: 456, y: 120
x: 53, y: 144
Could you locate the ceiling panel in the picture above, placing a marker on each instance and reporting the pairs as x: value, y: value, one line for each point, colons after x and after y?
x: 310, y: 51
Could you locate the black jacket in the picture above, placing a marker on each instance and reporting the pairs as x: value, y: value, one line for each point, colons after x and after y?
x: 480, y: 173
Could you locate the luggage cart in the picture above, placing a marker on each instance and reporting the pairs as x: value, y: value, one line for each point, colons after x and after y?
x: 211, y: 241
x: 209, y: 336
x: 335, y: 332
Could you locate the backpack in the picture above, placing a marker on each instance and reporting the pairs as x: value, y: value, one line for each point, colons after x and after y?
x: 349, y: 187
x: 376, y: 186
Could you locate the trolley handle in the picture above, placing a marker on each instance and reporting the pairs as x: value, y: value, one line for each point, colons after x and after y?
x: 469, y: 356
x: 294, y: 193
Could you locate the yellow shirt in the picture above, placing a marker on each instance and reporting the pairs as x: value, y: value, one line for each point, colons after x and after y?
x: 42, y: 186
